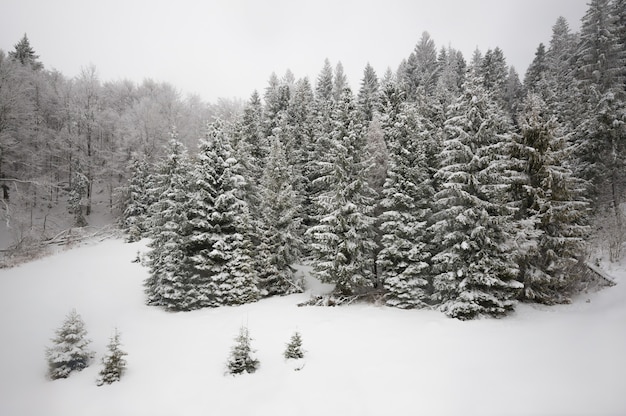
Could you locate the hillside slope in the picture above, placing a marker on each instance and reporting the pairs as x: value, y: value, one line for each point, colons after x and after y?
x: 361, y: 359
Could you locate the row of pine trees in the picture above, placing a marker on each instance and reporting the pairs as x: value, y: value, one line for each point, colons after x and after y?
x: 444, y: 184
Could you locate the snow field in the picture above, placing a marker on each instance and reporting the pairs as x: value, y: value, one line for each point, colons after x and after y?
x: 360, y: 359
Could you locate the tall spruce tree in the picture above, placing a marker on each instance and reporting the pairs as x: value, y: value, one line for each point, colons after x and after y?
x: 473, y: 271
x: 220, y: 254
x: 281, y: 233
x: 70, y: 351
x: 552, y: 201
x: 343, y: 241
x: 169, y: 283
x: 407, y: 196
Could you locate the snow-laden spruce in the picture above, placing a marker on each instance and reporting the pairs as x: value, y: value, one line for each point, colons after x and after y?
x: 242, y: 355
x: 294, y: 350
x: 473, y: 265
x: 343, y: 241
x: 113, y: 361
x: 70, y: 350
x: 407, y: 193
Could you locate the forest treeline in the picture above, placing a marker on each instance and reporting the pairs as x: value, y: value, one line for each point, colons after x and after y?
x: 444, y: 183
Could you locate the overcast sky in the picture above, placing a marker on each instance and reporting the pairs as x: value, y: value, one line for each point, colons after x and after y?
x: 228, y: 48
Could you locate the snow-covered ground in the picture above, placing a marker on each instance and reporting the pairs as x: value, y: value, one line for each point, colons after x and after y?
x: 361, y: 359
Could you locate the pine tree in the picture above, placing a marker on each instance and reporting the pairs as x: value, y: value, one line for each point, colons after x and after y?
x: 70, y: 351
x: 114, y: 362
x: 536, y: 71
x: 169, y: 282
x: 220, y: 250
x: 343, y: 241
x: 403, y: 259
x: 553, y: 202
x: 281, y: 234
x: 368, y: 94
x: 294, y: 347
x: 135, y: 218
x: 241, y: 358
x: 25, y: 54
x: 340, y: 81
x: 421, y: 72
x: 474, y: 273
x: 76, y: 197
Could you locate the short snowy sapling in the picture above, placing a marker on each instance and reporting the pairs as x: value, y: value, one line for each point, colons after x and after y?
x: 113, y: 361
x: 294, y: 347
x: 70, y: 351
x: 241, y: 358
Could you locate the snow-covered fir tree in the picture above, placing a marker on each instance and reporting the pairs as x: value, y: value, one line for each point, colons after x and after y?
x: 343, y: 240
x: 294, y: 347
x: 242, y: 355
x: 281, y: 233
x: 220, y: 253
x: 407, y: 196
x: 169, y: 284
x: 70, y: 350
x: 552, y: 201
x: 135, y: 218
x: 113, y: 362
x: 473, y: 270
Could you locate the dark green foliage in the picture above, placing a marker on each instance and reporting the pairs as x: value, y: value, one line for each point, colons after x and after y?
x: 241, y: 358
x: 25, y: 54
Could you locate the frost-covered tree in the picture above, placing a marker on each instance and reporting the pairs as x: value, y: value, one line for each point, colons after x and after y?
x: 294, y: 347
x: 169, y: 282
x: 473, y: 269
x: 421, y: 71
x: 25, y: 54
x: 113, y: 362
x: 241, y: 355
x: 407, y: 196
x: 281, y: 237
x: 220, y: 247
x: 70, y: 351
x: 340, y: 81
x: 368, y: 98
x: 139, y: 198
x: 343, y: 240
x: 553, y: 202
x: 76, y: 197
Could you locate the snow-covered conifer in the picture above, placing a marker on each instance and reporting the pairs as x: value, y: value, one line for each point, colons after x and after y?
x: 241, y: 355
x: 113, y: 361
x: 169, y: 282
x: 70, y: 351
x: 343, y: 241
x: 294, y: 347
x: 403, y: 259
x: 474, y: 272
x: 281, y: 233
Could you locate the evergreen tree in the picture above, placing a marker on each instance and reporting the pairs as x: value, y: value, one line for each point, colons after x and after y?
x: 553, y: 202
x: 281, y: 233
x: 368, y: 94
x: 25, y: 54
x: 343, y: 241
x: 421, y: 72
x: 241, y: 358
x: 474, y: 273
x: 169, y: 282
x: 135, y: 218
x: 340, y: 82
x: 70, y: 351
x: 114, y: 362
x: 324, y: 87
x: 220, y: 250
x: 294, y: 347
x: 536, y: 70
x: 76, y: 197
x: 403, y: 259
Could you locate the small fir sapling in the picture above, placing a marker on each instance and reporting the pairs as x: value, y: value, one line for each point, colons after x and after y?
x: 114, y: 362
x: 241, y: 358
x: 294, y: 347
x: 70, y: 351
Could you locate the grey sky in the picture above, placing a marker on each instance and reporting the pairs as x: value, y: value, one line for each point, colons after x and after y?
x: 226, y: 48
